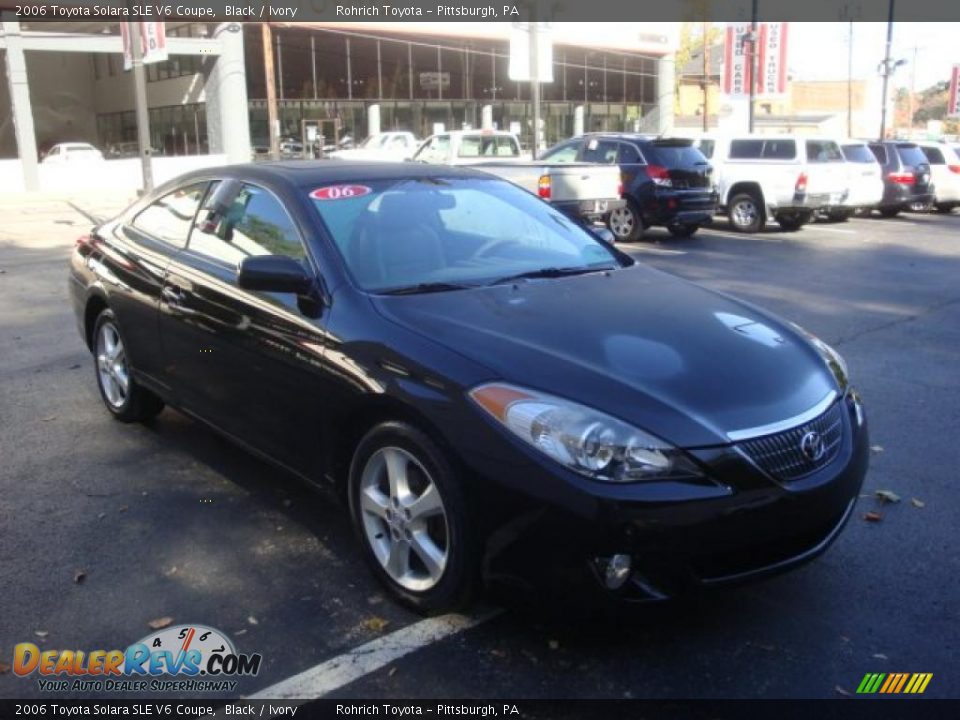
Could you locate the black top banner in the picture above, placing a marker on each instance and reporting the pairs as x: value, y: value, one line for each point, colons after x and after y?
x: 482, y: 11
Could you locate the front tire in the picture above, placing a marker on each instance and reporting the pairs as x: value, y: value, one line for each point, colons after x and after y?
x: 408, y: 508
x: 889, y: 212
x: 793, y: 222
x: 746, y: 213
x: 839, y: 215
x: 126, y: 400
x: 945, y: 208
x: 626, y: 223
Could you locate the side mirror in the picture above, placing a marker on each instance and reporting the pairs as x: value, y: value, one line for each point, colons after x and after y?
x: 274, y: 273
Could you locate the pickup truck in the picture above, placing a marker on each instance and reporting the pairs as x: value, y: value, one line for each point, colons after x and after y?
x: 582, y: 190
x: 788, y: 178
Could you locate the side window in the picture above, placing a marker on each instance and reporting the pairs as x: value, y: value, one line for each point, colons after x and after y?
x: 565, y: 153
x: 436, y: 150
x: 746, y: 149
x: 169, y: 218
x: 706, y: 147
x: 469, y: 146
x: 601, y: 151
x: 629, y: 155
x: 779, y: 150
x: 880, y: 153
x: 255, y: 224
x: 507, y: 147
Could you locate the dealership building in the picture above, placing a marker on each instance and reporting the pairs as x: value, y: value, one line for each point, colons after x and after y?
x: 66, y: 82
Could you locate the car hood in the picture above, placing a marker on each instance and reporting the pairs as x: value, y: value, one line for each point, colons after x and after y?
x: 671, y: 357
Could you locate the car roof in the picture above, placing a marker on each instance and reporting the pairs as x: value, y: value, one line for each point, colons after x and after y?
x: 304, y: 173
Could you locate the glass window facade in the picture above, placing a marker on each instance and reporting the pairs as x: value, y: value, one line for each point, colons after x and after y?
x: 425, y: 84
x: 174, y: 130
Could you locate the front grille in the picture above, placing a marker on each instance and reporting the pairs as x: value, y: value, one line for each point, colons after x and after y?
x: 780, y: 455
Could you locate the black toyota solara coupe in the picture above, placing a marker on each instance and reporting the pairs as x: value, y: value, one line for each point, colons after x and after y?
x: 494, y: 389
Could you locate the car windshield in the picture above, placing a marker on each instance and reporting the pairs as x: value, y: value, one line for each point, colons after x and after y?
x: 444, y: 233
x: 858, y: 153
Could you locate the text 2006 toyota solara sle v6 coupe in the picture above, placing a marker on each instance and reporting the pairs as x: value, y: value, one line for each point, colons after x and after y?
x: 493, y: 389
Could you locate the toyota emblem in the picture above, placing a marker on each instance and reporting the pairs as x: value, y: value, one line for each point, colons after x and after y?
x: 812, y: 446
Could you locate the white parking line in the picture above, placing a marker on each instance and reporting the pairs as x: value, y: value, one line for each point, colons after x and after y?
x: 655, y: 250
x: 835, y: 230
x: 326, y: 677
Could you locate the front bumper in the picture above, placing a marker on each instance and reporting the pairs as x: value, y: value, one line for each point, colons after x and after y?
x: 756, y: 527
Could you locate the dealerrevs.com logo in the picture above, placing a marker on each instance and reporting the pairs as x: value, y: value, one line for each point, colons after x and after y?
x: 185, y: 658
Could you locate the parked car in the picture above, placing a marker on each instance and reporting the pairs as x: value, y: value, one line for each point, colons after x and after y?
x: 72, y: 152
x: 944, y: 173
x: 580, y: 190
x: 865, y: 180
x: 785, y: 177
x: 906, y: 176
x: 477, y: 374
x: 394, y: 146
x: 666, y: 181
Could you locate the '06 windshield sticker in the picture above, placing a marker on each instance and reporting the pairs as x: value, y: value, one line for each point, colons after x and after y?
x: 340, y: 192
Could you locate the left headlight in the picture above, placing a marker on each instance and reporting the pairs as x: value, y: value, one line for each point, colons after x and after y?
x: 833, y: 359
x: 583, y: 439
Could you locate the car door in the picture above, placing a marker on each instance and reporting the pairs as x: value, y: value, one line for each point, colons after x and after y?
x: 133, y: 260
x: 632, y: 170
x: 245, y: 361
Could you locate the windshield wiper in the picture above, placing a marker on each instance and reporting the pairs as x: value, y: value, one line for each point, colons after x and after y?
x: 551, y: 272
x: 427, y: 287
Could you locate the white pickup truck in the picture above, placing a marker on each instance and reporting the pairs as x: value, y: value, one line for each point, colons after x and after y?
x: 581, y: 190
x: 785, y: 177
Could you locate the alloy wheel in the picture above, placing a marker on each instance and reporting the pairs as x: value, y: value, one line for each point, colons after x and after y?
x: 622, y: 222
x: 404, y: 519
x: 745, y: 213
x: 112, y: 366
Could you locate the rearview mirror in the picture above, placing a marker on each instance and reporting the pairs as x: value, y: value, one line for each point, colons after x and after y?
x: 274, y: 273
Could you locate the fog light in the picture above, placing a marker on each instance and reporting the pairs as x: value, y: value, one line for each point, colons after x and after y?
x: 617, y: 571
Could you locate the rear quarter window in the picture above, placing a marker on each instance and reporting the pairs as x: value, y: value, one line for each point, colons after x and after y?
x: 823, y: 151
x: 934, y: 156
x: 880, y: 153
x: 707, y: 147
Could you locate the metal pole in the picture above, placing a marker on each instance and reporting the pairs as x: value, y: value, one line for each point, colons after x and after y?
x: 140, y: 103
x: 850, y: 81
x: 913, y: 87
x: 706, y: 77
x: 379, y: 73
x: 886, y: 73
x: 753, y: 60
x: 280, y: 66
x: 349, y: 73
x: 272, y: 119
x: 535, y: 79
x: 313, y: 61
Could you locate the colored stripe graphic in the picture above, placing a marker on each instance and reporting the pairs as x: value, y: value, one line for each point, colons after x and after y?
x: 894, y: 683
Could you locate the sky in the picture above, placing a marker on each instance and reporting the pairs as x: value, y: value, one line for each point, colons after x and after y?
x: 818, y: 51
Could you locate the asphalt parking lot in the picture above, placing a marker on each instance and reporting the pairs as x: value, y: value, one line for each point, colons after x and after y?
x: 105, y: 527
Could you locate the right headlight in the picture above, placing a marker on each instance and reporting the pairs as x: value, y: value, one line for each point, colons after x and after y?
x: 585, y: 440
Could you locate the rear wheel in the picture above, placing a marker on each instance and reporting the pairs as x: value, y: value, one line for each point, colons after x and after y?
x: 625, y: 222
x: 889, y: 212
x: 407, y: 506
x: 679, y: 230
x: 839, y: 215
x: 920, y: 207
x: 746, y: 213
x: 125, y: 399
x: 945, y: 207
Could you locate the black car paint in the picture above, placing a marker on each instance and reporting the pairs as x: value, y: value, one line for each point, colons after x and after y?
x: 691, y: 201
x: 899, y: 195
x: 298, y: 380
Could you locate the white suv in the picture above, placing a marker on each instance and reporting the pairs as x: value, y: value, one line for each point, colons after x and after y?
x: 785, y: 177
x: 865, y: 176
x: 944, y: 174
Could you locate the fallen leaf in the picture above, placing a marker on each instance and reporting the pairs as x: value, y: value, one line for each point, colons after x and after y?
x: 880, y: 656
x: 876, y: 448
x: 101, y: 516
x: 252, y: 620
x: 79, y: 576
x: 554, y: 645
x: 4, y: 668
x: 76, y: 366
x: 918, y: 503
x: 40, y: 633
x: 374, y: 624
x: 374, y: 600
x: 240, y: 632
x: 160, y: 623
x: 48, y: 418
x: 171, y: 571
x: 887, y: 496
x: 392, y: 671
x: 841, y: 690
x: 873, y: 516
